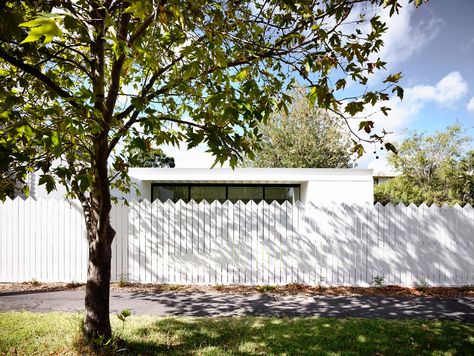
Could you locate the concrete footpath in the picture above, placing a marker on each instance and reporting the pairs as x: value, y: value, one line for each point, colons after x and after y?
x: 217, y: 304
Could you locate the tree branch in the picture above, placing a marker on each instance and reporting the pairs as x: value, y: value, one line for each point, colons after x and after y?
x: 40, y: 76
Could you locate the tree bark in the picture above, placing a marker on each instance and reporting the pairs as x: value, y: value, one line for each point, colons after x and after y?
x: 100, y: 235
x: 97, y: 320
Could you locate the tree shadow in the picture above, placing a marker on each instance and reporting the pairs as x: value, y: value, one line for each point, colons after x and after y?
x: 297, y: 336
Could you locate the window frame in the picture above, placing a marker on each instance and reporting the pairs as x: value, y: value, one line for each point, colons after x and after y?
x: 227, y: 185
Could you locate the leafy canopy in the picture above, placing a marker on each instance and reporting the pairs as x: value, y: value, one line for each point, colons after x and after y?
x: 436, y: 168
x: 303, y: 137
x: 79, y: 77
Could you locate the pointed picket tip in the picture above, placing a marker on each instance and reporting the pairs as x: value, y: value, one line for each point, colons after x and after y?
x: 298, y: 204
x: 468, y: 206
x: 227, y: 203
x: 262, y: 203
x: 169, y: 202
x: 203, y: 203
x: 193, y: 202
x: 216, y: 203
x: 445, y: 206
x: 412, y: 206
x: 239, y: 204
x: 457, y: 206
x: 378, y: 205
x: 286, y: 204
x: 251, y: 203
x: 435, y: 207
x: 401, y: 205
x: 423, y: 206
x: 346, y: 206
x: 275, y: 204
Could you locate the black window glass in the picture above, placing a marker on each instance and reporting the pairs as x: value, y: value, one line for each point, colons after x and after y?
x: 245, y: 194
x: 172, y: 192
x: 208, y: 193
x: 282, y: 194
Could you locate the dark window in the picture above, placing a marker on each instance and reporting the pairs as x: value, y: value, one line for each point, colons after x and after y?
x: 223, y: 192
x: 208, y: 193
x: 282, y: 194
x: 245, y: 194
x: 172, y: 192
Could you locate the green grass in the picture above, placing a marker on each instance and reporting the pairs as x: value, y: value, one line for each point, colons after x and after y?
x: 29, y: 333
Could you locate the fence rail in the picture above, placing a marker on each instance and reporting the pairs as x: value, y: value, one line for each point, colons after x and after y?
x: 244, y: 243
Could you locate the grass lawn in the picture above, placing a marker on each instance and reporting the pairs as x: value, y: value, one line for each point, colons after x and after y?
x: 29, y: 333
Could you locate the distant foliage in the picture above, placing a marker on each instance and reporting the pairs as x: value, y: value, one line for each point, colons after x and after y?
x: 302, y: 137
x: 436, y: 169
x: 153, y: 157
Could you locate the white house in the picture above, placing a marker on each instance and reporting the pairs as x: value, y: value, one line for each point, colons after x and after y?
x: 315, y: 185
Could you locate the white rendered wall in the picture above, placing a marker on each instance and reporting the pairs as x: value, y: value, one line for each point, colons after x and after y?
x: 350, y: 192
x: 318, y: 186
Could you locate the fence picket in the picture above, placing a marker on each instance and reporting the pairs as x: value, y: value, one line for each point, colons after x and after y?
x: 243, y: 243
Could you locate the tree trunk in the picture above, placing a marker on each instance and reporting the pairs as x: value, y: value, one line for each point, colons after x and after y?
x: 100, y: 235
x: 97, y: 321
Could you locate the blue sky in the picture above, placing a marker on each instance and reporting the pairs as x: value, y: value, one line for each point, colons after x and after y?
x: 434, y: 48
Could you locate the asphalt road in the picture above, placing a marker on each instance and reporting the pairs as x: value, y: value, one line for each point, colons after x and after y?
x: 216, y: 304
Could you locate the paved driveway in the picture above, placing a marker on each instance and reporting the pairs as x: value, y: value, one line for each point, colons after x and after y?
x: 215, y: 304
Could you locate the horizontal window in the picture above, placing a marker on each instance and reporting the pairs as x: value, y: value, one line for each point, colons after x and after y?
x: 245, y: 194
x: 223, y: 192
x: 208, y: 193
x: 170, y: 192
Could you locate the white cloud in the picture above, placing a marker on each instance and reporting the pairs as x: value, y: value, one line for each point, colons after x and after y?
x: 404, y: 38
x: 448, y: 91
x: 470, y: 105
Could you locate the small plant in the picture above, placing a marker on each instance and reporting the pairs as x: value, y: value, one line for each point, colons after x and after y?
x: 122, y: 316
x: 122, y: 282
x: 378, y: 281
x: 321, y: 281
x: 468, y: 288
x: 35, y: 283
x: 265, y: 288
x: 219, y: 287
x: 174, y: 287
x: 422, y: 286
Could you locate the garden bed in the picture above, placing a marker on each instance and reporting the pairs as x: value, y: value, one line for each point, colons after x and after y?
x: 289, y: 289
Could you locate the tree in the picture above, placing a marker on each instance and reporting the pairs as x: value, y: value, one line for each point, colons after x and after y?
x: 79, y: 77
x: 303, y: 137
x: 153, y: 157
x: 435, y: 169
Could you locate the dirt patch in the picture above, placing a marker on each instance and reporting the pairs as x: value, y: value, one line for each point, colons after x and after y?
x: 34, y: 286
x: 289, y: 289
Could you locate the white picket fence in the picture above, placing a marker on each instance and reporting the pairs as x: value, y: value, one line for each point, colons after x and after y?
x: 244, y: 243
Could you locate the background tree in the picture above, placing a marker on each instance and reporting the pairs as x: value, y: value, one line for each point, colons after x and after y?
x: 435, y: 169
x: 148, y: 157
x: 302, y: 137
x: 78, y: 77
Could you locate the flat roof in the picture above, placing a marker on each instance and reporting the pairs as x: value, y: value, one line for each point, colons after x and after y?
x: 249, y: 175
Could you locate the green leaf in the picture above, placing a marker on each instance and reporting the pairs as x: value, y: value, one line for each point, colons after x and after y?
x: 138, y: 9
x: 399, y: 91
x: 358, y: 149
x: 42, y: 26
x: 367, y: 126
x: 84, y: 182
x: 47, y: 180
x: 390, y: 147
x: 385, y: 110
x: 393, y: 78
